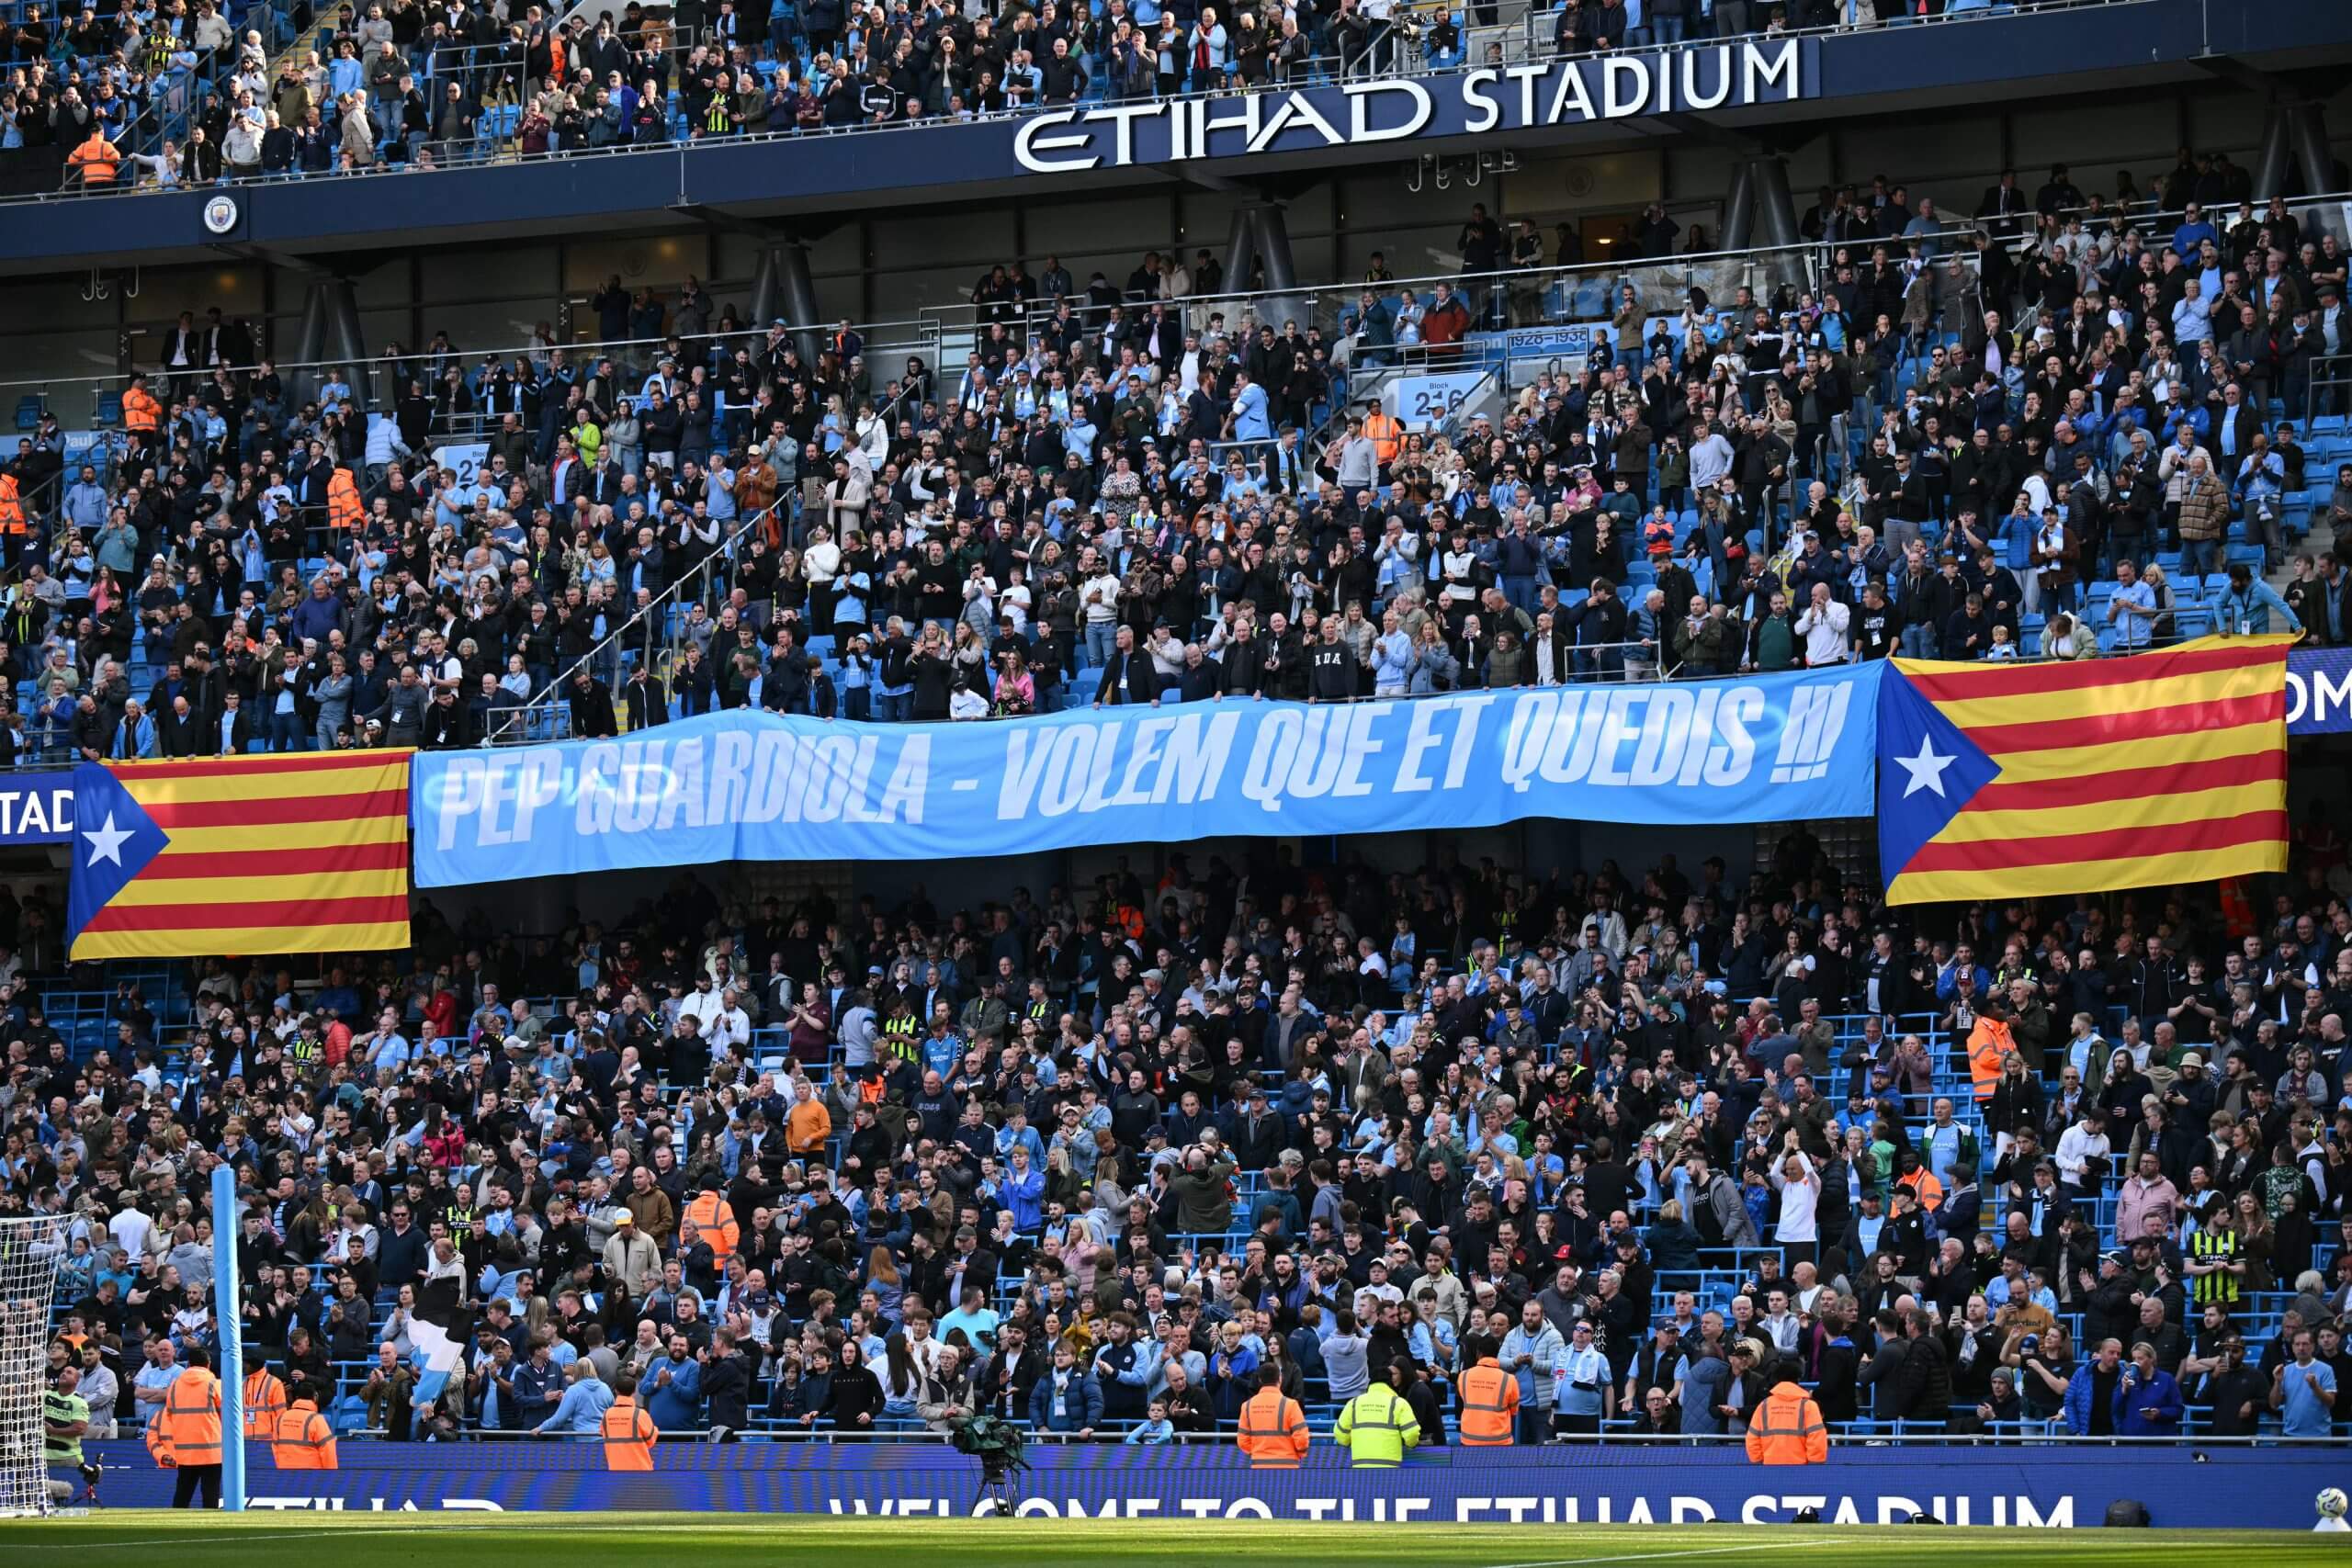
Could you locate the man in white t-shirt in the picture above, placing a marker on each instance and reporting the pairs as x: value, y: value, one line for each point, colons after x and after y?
x: 1823, y: 625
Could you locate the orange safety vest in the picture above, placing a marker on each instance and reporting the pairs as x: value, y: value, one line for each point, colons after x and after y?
x: 344, y: 509
x: 1923, y: 1185
x: 1787, y: 1428
x: 630, y: 1436
x: 1987, y: 1043
x: 12, y: 508
x: 716, y: 1220
x: 1274, y: 1430
x: 1380, y: 427
x: 193, y: 1402
x: 141, y: 410
x: 96, y: 158
x: 265, y: 1402
x: 1489, y: 1405
x: 303, y: 1440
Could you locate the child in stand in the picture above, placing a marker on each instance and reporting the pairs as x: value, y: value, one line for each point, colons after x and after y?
x: 1154, y: 1428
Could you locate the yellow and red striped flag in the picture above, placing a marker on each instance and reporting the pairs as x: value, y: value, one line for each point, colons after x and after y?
x: 2007, y: 780
x: 304, y: 852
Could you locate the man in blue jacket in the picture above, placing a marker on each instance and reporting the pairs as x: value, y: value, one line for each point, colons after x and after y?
x: 2095, y: 1393
x: 2250, y: 607
x: 1066, y: 1399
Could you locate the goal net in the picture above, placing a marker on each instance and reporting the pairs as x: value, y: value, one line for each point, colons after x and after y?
x: 29, y: 1251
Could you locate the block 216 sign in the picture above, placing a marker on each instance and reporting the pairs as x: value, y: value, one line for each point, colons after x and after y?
x: 1469, y: 102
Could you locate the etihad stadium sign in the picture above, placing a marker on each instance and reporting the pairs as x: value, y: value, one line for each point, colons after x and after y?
x: 1537, y: 95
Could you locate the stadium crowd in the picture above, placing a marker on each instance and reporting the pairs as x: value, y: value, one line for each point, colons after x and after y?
x: 2026, y: 434
x: 183, y: 96
x: 1111, y: 1159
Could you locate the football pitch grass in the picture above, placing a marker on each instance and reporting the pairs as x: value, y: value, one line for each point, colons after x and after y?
x: 655, y: 1540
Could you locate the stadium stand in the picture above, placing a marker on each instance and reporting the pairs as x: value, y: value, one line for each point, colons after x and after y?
x: 830, y: 1164
x: 1298, y: 1121
x: 195, y: 98
x: 2040, y: 444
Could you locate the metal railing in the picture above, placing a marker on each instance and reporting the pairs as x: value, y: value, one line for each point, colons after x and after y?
x: 2329, y: 393
x: 1496, y: 300
x: 658, y: 629
x: 651, y: 627
x: 374, y: 376
x: 1512, y: 45
x: 1871, y: 1434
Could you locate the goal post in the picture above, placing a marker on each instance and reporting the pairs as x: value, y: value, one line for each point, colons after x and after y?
x: 31, y: 1246
x: 229, y: 1311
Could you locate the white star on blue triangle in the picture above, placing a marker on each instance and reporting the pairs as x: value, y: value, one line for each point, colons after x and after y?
x: 107, y: 857
x: 1928, y: 771
x: 106, y: 841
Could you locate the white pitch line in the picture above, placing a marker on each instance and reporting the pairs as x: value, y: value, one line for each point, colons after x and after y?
x: 1693, y: 1552
x: 226, y: 1537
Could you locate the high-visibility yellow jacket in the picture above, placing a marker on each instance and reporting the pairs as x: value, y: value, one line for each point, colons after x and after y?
x: 1376, y: 1427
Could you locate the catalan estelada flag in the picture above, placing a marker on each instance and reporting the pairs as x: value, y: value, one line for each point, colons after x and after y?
x: 301, y: 852
x: 2007, y: 780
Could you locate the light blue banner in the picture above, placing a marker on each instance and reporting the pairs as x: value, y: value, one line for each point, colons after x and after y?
x: 755, y: 785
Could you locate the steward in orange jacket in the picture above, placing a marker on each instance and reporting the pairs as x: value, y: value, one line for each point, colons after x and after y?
x: 1787, y: 1428
x: 193, y: 1404
x: 627, y: 1430
x: 265, y: 1402
x: 94, y: 161
x: 344, y: 509
x: 1988, y: 1041
x: 303, y: 1439
x: 1489, y: 1405
x: 716, y: 1220
x: 192, y: 1413
x: 1273, y: 1430
x: 141, y: 414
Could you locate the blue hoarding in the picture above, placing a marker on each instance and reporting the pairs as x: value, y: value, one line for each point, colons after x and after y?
x: 2056, y: 1487
x: 749, y: 785
x: 2319, y: 690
